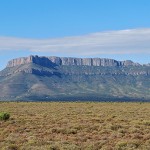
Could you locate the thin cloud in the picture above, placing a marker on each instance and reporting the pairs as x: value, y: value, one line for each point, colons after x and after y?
x: 133, y: 41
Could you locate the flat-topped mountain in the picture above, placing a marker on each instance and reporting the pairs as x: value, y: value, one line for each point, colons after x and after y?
x: 68, y: 61
x: 66, y: 78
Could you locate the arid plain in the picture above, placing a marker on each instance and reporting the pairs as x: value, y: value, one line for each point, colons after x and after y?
x: 75, y: 126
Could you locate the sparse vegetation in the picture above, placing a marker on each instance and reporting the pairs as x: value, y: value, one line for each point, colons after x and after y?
x: 75, y: 126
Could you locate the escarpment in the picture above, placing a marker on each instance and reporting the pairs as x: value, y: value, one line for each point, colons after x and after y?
x: 68, y: 61
x: 71, y: 66
x: 66, y: 78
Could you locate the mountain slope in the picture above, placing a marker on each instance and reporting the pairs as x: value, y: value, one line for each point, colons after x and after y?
x: 55, y: 78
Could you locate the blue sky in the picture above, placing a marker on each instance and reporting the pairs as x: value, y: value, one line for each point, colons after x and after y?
x: 59, y: 22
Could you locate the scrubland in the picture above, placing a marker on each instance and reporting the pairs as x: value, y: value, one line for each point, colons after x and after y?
x: 75, y: 126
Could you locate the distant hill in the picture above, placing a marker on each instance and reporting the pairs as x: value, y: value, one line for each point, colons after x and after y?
x: 62, y: 78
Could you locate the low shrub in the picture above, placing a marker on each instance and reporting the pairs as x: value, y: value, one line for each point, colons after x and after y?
x: 4, y: 116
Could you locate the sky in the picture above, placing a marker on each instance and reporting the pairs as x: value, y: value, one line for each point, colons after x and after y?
x: 117, y: 29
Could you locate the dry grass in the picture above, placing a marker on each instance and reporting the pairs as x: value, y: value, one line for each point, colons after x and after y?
x: 75, y: 126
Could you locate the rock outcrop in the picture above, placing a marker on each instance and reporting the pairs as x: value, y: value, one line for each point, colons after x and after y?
x: 56, y: 61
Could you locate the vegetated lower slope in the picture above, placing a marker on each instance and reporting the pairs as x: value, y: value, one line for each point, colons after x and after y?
x: 33, y: 81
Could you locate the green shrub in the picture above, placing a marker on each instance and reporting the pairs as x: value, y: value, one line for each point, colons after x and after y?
x: 4, y: 116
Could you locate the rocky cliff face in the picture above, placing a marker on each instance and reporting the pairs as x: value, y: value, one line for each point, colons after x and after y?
x: 68, y: 61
